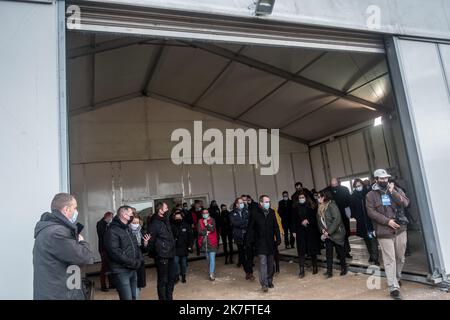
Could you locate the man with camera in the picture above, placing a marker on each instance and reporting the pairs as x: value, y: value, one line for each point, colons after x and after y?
x: 385, y: 206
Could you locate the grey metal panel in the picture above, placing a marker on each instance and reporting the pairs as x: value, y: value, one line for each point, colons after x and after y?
x: 116, y: 76
x: 29, y: 133
x: 358, y: 153
x: 167, y: 177
x: 335, y: 160
x: 188, y: 25
x: 429, y: 120
x: 379, y: 147
x: 332, y: 118
x: 317, y: 166
x: 184, y: 73
x: 266, y: 185
x: 376, y: 91
x: 257, y: 83
x: 200, y: 180
x: 287, y: 102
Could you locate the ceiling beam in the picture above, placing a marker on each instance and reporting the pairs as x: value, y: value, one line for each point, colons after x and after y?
x: 104, y: 46
x: 153, y: 64
x: 218, y: 115
x: 287, y: 75
x: 104, y: 103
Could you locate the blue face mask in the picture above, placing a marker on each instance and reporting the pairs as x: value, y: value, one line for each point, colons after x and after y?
x: 205, y: 216
x: 74, y: 217
x: 241, y: 206
x: 266, y: 205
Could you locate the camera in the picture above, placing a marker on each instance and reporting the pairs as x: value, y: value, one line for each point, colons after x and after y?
x: 400, y: 217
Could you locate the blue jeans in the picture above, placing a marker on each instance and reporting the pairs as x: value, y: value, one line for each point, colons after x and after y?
x: 126, y: 284
x: 211, y: 258
x: 181, y: 265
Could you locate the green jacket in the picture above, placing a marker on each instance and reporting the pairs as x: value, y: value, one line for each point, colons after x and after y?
x: 333, y: 224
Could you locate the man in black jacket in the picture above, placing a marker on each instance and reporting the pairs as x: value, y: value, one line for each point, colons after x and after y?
x: 285, y: 212
x: 226, y: 233
x: 264, y: 234
x: 162, y: 245
x: 124, y: 253
x: 341, y: 195
x: 58, y: 252
x: 102, y: 226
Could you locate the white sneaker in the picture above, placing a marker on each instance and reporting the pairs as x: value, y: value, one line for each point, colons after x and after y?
x: 211, y: 277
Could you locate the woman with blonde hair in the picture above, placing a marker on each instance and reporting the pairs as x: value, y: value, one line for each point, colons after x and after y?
x: 333, y: 231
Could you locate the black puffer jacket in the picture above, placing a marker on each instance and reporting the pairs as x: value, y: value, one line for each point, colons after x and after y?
x: 123, y: 250
x: 56, y: 247
x: 162, y: 242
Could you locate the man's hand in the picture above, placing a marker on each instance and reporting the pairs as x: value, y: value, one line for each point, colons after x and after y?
x: 305, y: 222
x: 393, y: 224
x: 80, y: 238
x: 391, y: 187
x: 146, y: 238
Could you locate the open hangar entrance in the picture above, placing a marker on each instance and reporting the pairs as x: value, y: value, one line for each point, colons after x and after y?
x: 131, y: 82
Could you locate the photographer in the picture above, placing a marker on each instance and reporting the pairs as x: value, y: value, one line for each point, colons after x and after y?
x: 385, y: 206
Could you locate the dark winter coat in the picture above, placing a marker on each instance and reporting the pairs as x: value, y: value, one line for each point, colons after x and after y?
x: 381, y: 215
x: 359, y: 212
x: 162, y: 242
x: 285, y: 211
x: 183, y: 236
x: 102, y: 226
x: 56, y: 247
x: 307, y: 237
x: 341, y: 196
x: 239, y: 221
x: 224, y: 223
x: 124, y: 252
x: 263, y: 232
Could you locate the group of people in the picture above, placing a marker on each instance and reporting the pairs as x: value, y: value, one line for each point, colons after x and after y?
x: 309, y: 220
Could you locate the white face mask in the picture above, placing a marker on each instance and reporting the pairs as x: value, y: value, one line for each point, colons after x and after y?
x: 74, y: 216
x: 302, y: 201
x: 359, y: 188
x: 134, y: 226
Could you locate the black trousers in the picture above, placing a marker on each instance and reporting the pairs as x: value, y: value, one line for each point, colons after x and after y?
x: 227, y: 241
x: 166, y: 271
x: 276, y: 259
x: 244, y: 258
x: 288, y: 236
x: 346, y: 222
x: 329, y: 254
x: 372, y: 248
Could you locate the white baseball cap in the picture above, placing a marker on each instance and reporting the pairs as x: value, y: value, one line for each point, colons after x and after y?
x: 381, y: 173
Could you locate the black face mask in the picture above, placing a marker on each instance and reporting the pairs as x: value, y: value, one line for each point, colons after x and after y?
x: 383, y: 184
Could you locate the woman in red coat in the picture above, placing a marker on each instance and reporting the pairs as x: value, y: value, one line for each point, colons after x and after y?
x: 207, y: 240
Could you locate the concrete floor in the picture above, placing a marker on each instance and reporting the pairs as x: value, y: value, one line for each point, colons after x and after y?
x: 230, y: 284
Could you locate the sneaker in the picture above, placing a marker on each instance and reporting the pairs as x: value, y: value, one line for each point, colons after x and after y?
x: 395, y: 294
x: 211, y: 277
x: 265, y: 289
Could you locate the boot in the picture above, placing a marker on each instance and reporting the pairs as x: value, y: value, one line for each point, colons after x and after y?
x: 344, y: 270
x: 314, y: 265
x: 301, y: 275
x: 183, y: 278
x: 329, y: 273
x: 177, y: 279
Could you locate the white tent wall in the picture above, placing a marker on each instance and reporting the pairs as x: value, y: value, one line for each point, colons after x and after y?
x: 122, y: 154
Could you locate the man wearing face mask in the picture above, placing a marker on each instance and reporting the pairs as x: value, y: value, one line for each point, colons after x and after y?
x: 262, y: 231
x: 184, y: 239
x: 364, y: 227
x: 57, y: 247
x: 162, y: 244
x: 124, y: 253
x: 385, y: 205
x: 102, y: 227
x: 285, y: 212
